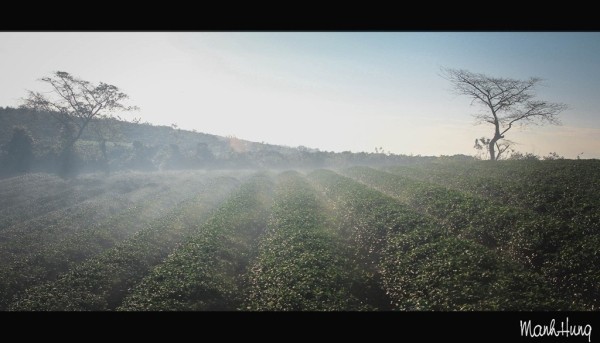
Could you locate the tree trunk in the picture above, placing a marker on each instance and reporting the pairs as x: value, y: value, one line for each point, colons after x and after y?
x: 104, y: 157
x: 66, y: 162
x: 492, y: 149
x: 66, y: 167
x: 492, y: 144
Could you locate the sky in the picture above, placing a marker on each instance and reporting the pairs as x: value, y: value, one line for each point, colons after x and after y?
x: 335, y: 91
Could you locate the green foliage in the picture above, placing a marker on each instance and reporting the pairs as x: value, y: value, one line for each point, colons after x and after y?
x: 424, y: 263
x: 300, y: 264
x: 366, y: 219
x: 433, y: 272
x: 513, y: 235
x: 470, y: 217
x: 204, y: 273
x: 51, y: 244
x: 100, y: 283
x: 140, y: 158
x: 19, y: 151
x: 557, y: 202
x: 519, y: 156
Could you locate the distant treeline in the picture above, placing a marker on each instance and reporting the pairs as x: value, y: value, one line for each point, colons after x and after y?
x: 31, y: 142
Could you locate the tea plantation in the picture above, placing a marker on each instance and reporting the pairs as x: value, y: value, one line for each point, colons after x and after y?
x: 511, y: 235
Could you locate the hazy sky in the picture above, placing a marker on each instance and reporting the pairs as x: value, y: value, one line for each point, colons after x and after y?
x: 332, y: 91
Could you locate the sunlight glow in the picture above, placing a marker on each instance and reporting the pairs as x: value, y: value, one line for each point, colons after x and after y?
x: 331, y: 91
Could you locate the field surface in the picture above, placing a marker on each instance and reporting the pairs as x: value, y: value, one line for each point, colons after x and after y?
x: 514, y: 235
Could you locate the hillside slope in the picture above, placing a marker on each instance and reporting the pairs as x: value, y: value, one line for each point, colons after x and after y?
x: 147, y: 147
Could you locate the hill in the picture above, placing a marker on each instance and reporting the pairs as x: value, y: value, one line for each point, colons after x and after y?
x: 143, y: 146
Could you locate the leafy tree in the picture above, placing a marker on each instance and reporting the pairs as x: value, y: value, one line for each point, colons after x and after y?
x: 553, y: 156
x: 19, y: 151
x: 202, y: 155
x: 507, y: 102
x: 141, y: 157
x: 503, y: 147
x: 527, y: 156
x: 108, y: 128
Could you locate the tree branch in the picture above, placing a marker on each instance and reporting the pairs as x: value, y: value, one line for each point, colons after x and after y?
x: 508, y: 100
x: 76, y: 102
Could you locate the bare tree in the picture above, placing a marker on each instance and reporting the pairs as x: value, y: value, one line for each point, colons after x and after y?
x: 74, y: 103
x: 506, y: 102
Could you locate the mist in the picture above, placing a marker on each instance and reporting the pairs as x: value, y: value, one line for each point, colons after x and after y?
x: 299, y: 172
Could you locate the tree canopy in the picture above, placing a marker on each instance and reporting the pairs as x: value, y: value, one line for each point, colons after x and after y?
x: 74, y: 103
